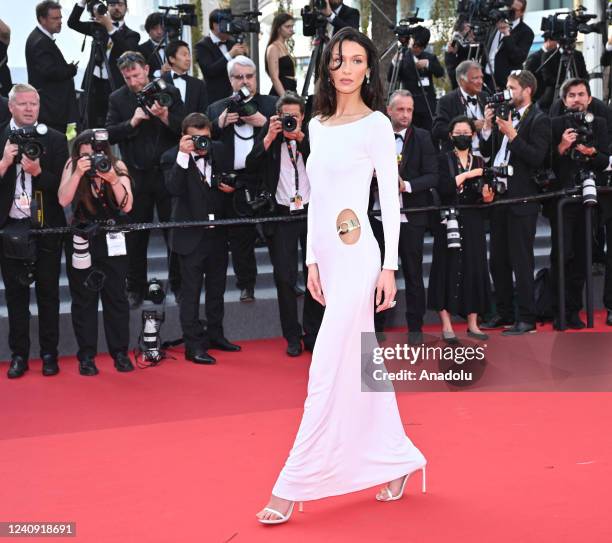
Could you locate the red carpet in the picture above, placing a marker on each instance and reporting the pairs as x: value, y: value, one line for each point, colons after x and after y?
x: 187, y: 453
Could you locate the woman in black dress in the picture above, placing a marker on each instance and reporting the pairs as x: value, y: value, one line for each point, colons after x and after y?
x: 459, y: 278
x: 280, y: 65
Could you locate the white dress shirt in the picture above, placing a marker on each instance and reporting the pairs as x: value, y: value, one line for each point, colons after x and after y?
x: 473, y: 112
x: 243, y: 143
x: 222, y: 47
x: 286, y: 180
x: 495, y: 45
x: 180, y: 84
x: 182, y: 159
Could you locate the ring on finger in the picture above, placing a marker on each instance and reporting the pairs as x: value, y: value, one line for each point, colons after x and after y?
x: 392, y: 303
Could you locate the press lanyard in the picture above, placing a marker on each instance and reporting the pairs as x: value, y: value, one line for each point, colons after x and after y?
x: 24, y: 199
x: 295, y: 166
x: 518, y: 125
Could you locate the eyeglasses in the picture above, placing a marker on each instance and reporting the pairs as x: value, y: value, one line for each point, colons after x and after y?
x: 243, y: 77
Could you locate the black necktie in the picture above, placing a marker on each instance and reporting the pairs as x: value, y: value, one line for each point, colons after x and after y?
x: 470, y: 100
x: 182, y: 76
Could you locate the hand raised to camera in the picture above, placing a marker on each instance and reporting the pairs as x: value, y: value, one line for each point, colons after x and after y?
x: 226, y: 188
x: 327, y: 11
x: 10, y: 152
x: 586, y: 151
x: 139, y: 116
x: 161, y: 112
x: 105, y: 21
x: 238, y: 49
x: 186, y: 144
x: 83, y: 165
x: 226, y: 118
x: 506, y: 127
x: 31, y: 166
x: 274, y: 129
x: 257, y: 120
x: 567, y: 140
x: 489, y: 115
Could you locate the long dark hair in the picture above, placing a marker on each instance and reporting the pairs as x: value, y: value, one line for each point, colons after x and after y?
x: 83, y: 192
x: 279, y: 20
x: 325, y: 93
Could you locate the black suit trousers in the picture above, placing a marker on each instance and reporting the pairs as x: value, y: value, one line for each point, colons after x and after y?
x: 97, y: 102
x: 207, y: 265
x: 242, y: 246
x: 115, y: 307
x: 46, y: 287
x: 511, y: 251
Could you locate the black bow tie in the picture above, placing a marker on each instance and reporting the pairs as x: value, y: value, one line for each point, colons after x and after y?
x: 116, y: 25
x: 182, y: 76
x: 470, y: 100
x: 199, y: 157
x: 399, y: 137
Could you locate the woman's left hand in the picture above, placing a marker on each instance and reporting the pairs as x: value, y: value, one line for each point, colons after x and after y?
x: 385, y: 290
x: 109, y: 177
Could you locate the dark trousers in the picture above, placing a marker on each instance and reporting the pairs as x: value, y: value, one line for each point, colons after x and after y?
x: 242, y: 246
x: 46, y: 287
x: 115, y: 307
x: 150, y: 195
x: 511, y: 251
x: 574, y: 256
x: 410, y: 249
x: 283, y: 246
x: 206, y: 265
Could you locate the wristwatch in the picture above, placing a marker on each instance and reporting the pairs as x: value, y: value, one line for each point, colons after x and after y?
x: 348, y: 226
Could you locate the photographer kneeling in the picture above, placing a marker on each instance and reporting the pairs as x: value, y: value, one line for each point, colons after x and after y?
x: 459, y: 278
x: 192, y: 178
x: 99, y: 189
x: 580, y: 144
x: 279, y: 156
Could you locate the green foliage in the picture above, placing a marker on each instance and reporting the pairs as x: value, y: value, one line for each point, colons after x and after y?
x: 443, y: 17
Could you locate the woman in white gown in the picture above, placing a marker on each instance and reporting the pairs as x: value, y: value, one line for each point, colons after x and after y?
x: 348, y: 440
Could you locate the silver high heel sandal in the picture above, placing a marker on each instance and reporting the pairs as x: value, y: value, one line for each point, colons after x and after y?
x: 282, y: 518
x: 390, y: 497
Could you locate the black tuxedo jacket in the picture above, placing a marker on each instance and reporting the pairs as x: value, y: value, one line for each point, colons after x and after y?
x: 52, y: 164
x: 451, y: 105
x: 192, y: 198
x: 410, y: 78
x: 511, y: 54
x: 213, y: 65
x: 265, y: 105
x: 53, y: 77
x: 124, y: 39
x: 266, y: 164
x: 529, y: 151
x: 5, y: 114
x: 153, y: 59
x: 143, y: 146
x: 419, y: 166
x: 196, y: 94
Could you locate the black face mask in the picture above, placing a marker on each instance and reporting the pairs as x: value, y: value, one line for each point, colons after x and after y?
x: 462, y: 142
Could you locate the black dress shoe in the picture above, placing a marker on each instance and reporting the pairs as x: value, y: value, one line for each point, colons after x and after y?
x: 134, y: 299
x: 609, y: 318
x: 415, y: 337
x: 496, y: 322
x: 477, y: 335
x: 18, y: 367
x: 298, y: 291
x: 224, y: 345
x: 574, y: 322
x: 199, y: 357
x: 294, y: 348
x: 49, y: 365
x: 123, y: 362
x: 247, y: 295
x: 87, y: 366
x: 519, y: 329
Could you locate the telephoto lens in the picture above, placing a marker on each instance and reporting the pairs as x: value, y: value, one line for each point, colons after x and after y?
x: 81, y: 258
x: 453, y: 236
x: 589, y: 189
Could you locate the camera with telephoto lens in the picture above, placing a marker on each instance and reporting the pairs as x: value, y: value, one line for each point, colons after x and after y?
x: 82, y: 234
x: 482, y: 15
x: 100, y: 161
x: 155, y: 291
x: 229, y: 179
x: 313, y: 17
x: 289, y: 123
x: 453, y: 235
x: 587, y: 182
x: 155, y: 91
x: 173, y: 23
x: 259, y: 202
x: 242, y: 103
x: 564, y: 26
x: 201, y: 143
x: 405, y: 28
x: 495, y: 177
x: 239, y: 25
x: 582, y: 124
x: 28, y: 142
x: 97, y: 7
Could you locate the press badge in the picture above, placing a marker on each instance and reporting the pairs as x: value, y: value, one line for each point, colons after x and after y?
x: 115, y: 242
x: 424, y: 81
x: 211, y: 217
x: 23, y: 202
x: 295, y: 204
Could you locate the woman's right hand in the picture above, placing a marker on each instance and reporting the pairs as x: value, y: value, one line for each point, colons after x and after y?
x: 314, y: 284
x: 83, y: 165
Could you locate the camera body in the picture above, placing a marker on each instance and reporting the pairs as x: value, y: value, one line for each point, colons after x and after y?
x: 96, y: 7
x: 500, y: 102
x: 313, y: 18
x: 564, y: 26
x: 483, y: 14
x: 156, y: 90
x: 582, y: 123
x: 239, y: 25
x: 241, y: 103
x: 100, y: 161
x: 493, y: 176
x: 28, y: 142
x: 201, y: 143
x: 173, y: 23
x: 405, y: 28
x: 289, y: 123
x: 229, y: 179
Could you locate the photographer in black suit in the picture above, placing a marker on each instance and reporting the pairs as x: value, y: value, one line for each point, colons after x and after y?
x: 279, y: 157
x: 202, y: 252
x: 467, y: 100
x: 212, y: 55
x: 340, y: 16
x: 569, y: 159
x: 193, y: 91
x: 115, y: 38
x: 416, y: 73
x: 143, y: 135
x: 153, y: 50
x: 507, y: 46
x: 48, y: 71
x: 235, y: 124
x: 418, y: 173
x: 523, y: 142
x: 28, y: 197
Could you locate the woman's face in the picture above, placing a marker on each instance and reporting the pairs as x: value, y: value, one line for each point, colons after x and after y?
x: 85, y: 150
x: 347, y: 73
x: 462, y: 129
x: 287, y: 30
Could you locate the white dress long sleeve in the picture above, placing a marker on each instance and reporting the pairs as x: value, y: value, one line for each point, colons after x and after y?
x: 348, y: 440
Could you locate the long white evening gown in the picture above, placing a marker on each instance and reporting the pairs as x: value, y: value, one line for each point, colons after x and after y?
x: 348, y: 440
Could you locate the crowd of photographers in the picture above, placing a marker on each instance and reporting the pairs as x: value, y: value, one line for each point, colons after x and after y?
x: 197, y: 150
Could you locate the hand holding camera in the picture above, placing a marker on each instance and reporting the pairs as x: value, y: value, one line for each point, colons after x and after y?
x: 161, y: 112
x: 238, y: 49
x: 31, y: 166
x: 226, y: 118
x: 83, y: 166
x: 139, y: 115
x: 274, y: 129
x: 8, y: 158
x: 568, y: 139
x: 186, y: 144
x: 506, y: 127
x: 463, y: 177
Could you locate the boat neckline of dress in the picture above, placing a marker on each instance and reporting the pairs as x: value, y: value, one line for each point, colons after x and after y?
x: 346, y: 124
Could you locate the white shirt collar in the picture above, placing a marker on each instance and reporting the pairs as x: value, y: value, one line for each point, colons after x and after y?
x: 465, y: 94
x: 14, y: 126
x: 402, y: 132
x: 45, y: 32
x: 215, y: 39
x: 337, y: 10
